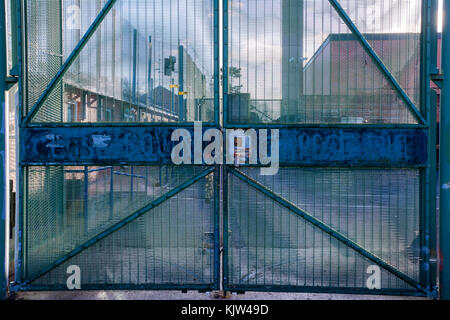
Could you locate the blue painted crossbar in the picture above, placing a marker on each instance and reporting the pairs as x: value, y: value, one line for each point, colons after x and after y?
x: 99, y: 146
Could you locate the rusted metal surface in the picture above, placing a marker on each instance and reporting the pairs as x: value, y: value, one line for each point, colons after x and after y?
x: 139, y: 146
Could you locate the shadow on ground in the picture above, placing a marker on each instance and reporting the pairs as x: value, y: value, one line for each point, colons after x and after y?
x: 175, y: 295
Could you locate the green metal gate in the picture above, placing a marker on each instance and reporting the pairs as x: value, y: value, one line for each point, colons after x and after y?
x: 100, y: 72
x: 342, y: 87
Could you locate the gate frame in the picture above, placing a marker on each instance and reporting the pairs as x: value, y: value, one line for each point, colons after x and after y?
x: 428, y: 208
x: 427, y: 121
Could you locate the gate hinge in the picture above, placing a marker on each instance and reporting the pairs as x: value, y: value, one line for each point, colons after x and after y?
x: 438, y: 79
x: 11, y: 81
x: 14, y: 287
x: 434, y: 293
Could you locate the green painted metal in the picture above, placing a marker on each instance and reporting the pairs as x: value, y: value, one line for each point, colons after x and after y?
x: 14, y: 39
x: 120, y: 225
x: 127, y: 287
x: 181, y: 82
x: 70, y: 60
x: 217, y: 117
x: 4, y: 227
x: 423, y: 287
x: 226, y: 231
x: 327, y: 229
x: 225, y: 44
x: 444, y: 213
x: 120, y: 125
x: 18, y: 252
x: 330, y: 290
x: 325, y: 126
x: 348, y: 21
x: 25, y: 184
x: 429, y: 177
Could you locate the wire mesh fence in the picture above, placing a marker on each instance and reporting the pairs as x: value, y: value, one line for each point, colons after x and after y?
x: 271, y: 246
x: 149, y: 61
x: 286, y: 62
x: 170, y: 244
x: 296, y: 62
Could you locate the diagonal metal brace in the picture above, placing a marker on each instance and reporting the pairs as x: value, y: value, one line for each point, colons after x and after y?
x: 121, y: 224
x: 70, y: 60
x: 325, y: 228
x: 381, y: 66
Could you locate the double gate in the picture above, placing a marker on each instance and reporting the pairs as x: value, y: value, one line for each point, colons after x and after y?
x: 339, y: 88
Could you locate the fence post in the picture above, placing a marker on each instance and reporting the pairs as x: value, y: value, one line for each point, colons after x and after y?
x: 445, y: 160
x: 4, y: 216
x: 132, y: 182
x: 181, y: 83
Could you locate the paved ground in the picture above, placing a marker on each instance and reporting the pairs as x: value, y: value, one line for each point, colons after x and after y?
x: 269, y: 245
x: 174, y: 295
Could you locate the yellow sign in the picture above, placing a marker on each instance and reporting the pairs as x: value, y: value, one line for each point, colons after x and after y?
x: 182, y: 93
x: 173, y: 86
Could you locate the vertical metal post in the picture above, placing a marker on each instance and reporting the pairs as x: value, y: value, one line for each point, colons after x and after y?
x: 111, y: 194
x: 172, y: 92
x: 4, y: 216
x: 150, y: 84
x: 292, y: 65
x: 99, y: 58
x: 429, y: 178
x: 217, y: 119
x: 445, y: 160
x: 63, y: 201
x: 132, y: 182
x: 181, y: 82
x: 134, y: 87
x: 113, y: 52
x: 225, y: 63
x: 61, y: 62
x: 14, y: 37
x: 21, y: 192
x: 225, y: 246
x: 217, y: 250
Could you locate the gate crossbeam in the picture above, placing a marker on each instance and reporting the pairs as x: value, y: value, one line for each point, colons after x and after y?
x: 70, y: 60
x: 378, y: 62
x: 326, y: 228
x: 121, y: 224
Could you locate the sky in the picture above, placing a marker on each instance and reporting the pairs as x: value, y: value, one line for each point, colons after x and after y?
x: 256, y: 34
x: 255, y: 30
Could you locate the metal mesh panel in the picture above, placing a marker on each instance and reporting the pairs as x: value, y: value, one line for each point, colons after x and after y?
x: 172, y: 244
x: 307, y: 67
x: 44, y: 207
x: 149, y: 61
x: 67, y: 207
x: 377, y: 209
